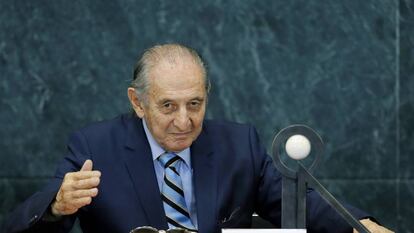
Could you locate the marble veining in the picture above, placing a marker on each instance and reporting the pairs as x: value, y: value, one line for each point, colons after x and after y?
x: 342, y: 67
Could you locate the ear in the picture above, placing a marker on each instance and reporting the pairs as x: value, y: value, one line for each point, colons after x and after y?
x: 136, y: 104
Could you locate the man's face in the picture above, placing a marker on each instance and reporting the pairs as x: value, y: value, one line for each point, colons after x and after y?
x: 176, y: 103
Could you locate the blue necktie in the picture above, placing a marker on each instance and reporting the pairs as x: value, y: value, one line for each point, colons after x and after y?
x: 172, y: 194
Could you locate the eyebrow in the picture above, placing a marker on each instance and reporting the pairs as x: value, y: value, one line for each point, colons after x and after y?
x: 198, y: 98
x: 170, y: 100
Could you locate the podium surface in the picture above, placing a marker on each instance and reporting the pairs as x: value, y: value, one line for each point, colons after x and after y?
x: 264, y: 231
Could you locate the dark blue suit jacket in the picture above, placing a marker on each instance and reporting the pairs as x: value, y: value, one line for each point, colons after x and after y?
x: 233, y: 177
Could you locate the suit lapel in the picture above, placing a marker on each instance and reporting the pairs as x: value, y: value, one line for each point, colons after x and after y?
x: 140, y: 166
x: 205, y: 182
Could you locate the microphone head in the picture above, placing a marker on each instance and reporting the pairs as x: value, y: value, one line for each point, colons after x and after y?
x: 298, y: 147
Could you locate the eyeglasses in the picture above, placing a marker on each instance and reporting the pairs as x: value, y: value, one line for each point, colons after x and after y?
x: 148, y: 229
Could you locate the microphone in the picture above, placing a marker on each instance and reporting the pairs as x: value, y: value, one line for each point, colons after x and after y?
x: 297, y: 141
x: 298, y: 147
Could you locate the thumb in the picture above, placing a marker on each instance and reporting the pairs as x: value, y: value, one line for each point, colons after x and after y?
x: 87, y: 166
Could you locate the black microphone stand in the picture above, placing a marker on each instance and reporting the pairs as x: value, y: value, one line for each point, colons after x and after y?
x: 295, y: 182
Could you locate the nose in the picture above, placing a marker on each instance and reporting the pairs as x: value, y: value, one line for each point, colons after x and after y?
x: 182, y: 120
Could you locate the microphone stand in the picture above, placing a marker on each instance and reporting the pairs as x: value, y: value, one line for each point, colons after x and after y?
x: 295, y: 182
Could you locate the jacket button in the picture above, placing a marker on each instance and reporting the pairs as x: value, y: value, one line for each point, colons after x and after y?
x: 34, y: 218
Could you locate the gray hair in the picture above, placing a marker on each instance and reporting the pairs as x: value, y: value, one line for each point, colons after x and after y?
x: 152, y: 56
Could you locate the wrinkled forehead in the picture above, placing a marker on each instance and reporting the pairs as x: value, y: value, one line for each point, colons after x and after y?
x: 171, y: 66
x: 177, y: 66
x: 176, y: 63
x: 180, y: 74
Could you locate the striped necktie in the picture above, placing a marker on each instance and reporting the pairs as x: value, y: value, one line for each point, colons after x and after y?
x: 172, y: 194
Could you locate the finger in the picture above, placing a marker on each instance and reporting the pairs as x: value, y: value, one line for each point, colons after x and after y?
x: 86, y: 183
x: 58, y: 209
x: 73, y: 205
x: 85, y: 175
x: 84, y: 193
x: 87, y: 165
x: 80, y: 202
x: 63, y: 208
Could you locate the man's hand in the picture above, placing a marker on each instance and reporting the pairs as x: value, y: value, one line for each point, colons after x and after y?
x: 77, y: 190
x: 373, y: 227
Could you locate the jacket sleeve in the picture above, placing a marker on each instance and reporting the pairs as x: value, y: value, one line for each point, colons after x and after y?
x: 321, y: 217
x: 28, y: 216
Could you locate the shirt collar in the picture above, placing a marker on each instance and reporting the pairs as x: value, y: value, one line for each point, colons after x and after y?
x: 157, y: 150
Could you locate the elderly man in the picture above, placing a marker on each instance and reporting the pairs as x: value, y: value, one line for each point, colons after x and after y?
x: 165, y: 166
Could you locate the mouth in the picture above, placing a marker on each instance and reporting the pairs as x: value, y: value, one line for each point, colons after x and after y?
x: 181, y: 135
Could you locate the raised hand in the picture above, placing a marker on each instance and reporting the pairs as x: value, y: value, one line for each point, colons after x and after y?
x: 77, y: 190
